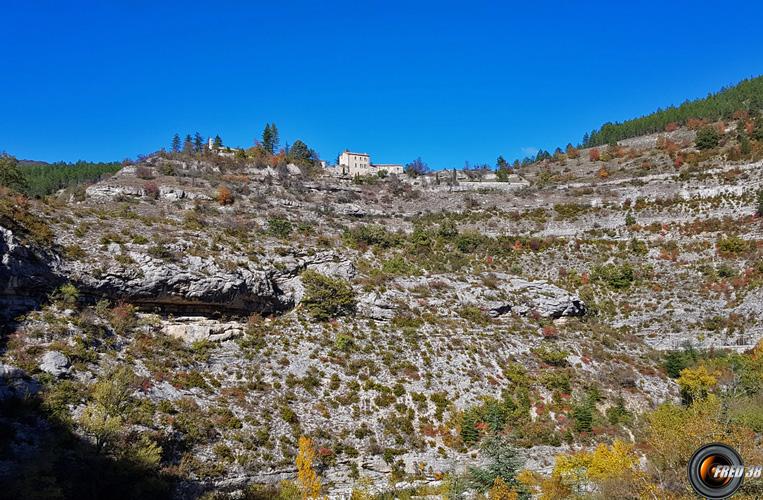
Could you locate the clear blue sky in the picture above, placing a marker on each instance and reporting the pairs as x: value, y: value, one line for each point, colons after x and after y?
x: 445, y: 81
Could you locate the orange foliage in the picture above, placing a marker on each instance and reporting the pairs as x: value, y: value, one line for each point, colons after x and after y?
x: 594, y: 154
x: 671, y: 127
x: 603, y: 173
x: 224, y: 196
x: 695, y: 123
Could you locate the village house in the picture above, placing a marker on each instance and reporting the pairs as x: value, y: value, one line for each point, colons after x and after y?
x: 222, y: 151
x: 352, y: 164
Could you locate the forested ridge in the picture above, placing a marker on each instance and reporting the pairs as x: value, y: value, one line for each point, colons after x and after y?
x: 747, y: 95
x: 46, y: 178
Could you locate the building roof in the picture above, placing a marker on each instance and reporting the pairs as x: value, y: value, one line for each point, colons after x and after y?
x: 357, y: 154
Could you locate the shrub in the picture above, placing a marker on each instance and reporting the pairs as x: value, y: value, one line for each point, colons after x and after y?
x: 123, y: 318
x: 553, y: 357
x: 327, y: 297
x: 675, y: 361
x: 280, y: 228
x: 371, y: 234
x: 732, y: 245
x: 143, y: 172
x: 594, y: 154
x: 615, y: 277
x: 224, y: 196
x: 474, y: 315
x: 696, y: 383
x: 708, y: 137
x: 151, y: 190
x: 68, y: 295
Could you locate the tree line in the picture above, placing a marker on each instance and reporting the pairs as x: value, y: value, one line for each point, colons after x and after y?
x: 37, y: 179
x: 747, y: 95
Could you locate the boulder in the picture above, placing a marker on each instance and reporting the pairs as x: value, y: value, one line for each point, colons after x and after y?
x: 196, y: 329
x: 55, y: 363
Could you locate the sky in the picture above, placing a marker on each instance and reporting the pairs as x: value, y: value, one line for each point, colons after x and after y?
x: 449, y: 82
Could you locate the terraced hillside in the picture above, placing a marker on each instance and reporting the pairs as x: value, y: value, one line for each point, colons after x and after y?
x: 179, y: 326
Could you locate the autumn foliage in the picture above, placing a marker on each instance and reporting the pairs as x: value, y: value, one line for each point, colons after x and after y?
x: 594, y: 154
x: 309, y: 485
x: 224, y: 196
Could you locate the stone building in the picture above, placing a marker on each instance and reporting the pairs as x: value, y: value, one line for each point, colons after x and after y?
x: 352, y: 164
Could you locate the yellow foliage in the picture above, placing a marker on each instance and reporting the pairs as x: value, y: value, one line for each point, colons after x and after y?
x: 675, y: 432
x: 696, y: 382
x: 608, y: 462
x: 501, y: 491
x: 602, y: 467
x: 309, y: 484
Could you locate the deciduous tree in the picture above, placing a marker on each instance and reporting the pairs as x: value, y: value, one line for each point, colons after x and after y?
x: 309, y: 485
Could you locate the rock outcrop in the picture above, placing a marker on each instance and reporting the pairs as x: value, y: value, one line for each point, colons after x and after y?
x: 192, y: 329
x: 55, y: 363
x: 27, y: 272
x: 509, y: 294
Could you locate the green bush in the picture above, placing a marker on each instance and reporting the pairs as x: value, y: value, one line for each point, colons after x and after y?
x: 280, y: 228
x: 327, y: 297
x: 614, y: 276
x: 733, y: 245
x: 555, y: 357
x: 371, y: 235
x: 708, y: 137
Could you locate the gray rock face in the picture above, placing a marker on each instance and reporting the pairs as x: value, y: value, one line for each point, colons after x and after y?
x: 509, y: 294
x: 194, y: 285
x: 26, y: 273
x: 55, y: 363
x: 15, y: 384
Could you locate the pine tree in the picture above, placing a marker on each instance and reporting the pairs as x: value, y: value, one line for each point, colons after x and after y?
x: 176, y: 143
x: 218, y: 142
x: 276, y: 138
x: 188, y: 144
x: 10, y: 174
x: 299, y: 153
x: 198, y: 143
x: 267, y: 139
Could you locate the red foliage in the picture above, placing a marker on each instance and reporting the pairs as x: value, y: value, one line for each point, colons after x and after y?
x: 550, y: 332
x: 151, y: 189
x: 671, y: 127
x: 679, y: 161
x: 594, y: 154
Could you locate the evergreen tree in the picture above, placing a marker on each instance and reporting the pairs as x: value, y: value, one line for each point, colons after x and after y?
x: 299, y: 153
x: 188, y: 144
x: 276, y: 137
x: 708, y: 137
x: 198, y: 143
x: 502, y: 169
x: 218, y: 142
x: 10, y: 174
x: 757, y: 132
x: 745, y: 96
x: 268, y: 139
x: 176, y: 143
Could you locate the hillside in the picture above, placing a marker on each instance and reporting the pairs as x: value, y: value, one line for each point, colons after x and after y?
x: 742, y: 99
x: 179, y: 327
